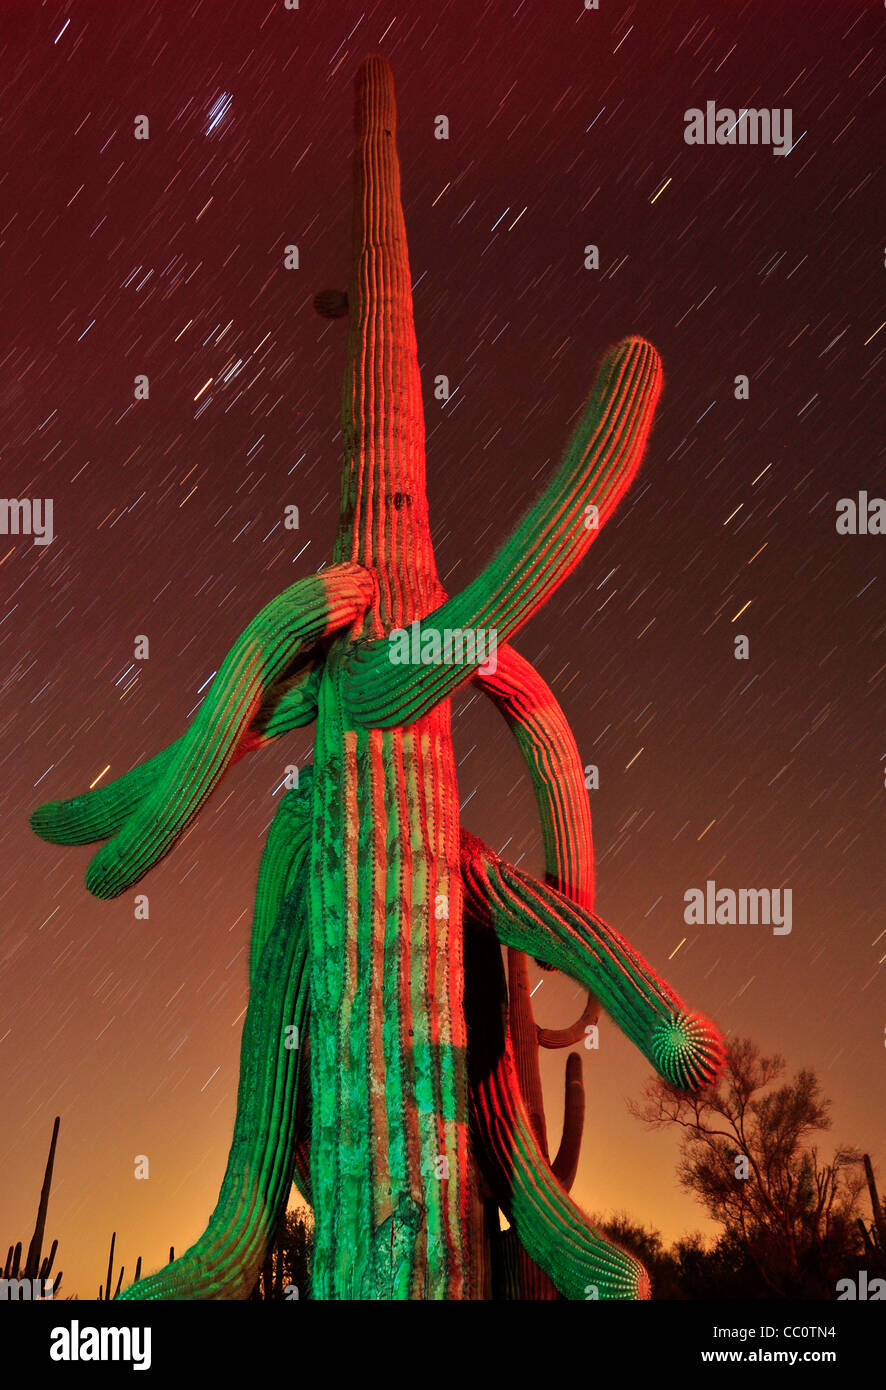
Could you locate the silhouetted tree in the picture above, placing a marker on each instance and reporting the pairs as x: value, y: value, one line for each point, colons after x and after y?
x: 747, y: 1154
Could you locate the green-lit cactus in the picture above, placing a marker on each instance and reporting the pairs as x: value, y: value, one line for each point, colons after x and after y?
x: 377, y: 1068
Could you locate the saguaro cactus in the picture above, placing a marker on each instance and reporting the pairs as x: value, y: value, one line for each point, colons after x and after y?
x: 368, y: 880
x: 874, y: 1236
x: 104, y: 1290
x: 37, y: 1266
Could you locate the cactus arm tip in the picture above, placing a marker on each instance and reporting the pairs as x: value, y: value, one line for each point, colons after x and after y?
x: 683, y: 1047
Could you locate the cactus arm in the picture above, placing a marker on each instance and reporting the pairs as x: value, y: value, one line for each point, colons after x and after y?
x: 282, y: 863
x: 48, y: 1262
x: 565, y: 1165
x: 600, y: 463
x: 291, y: 705
x: 225, y: 1261
x: 551, y: 1228
x: 107, y: 1285
x: 554, y: 1038
x: 283, y: 860
x: 549, y: 749
x: 100, y: 813
x: 523, y: 1033
x: 686, y: 1049
x: 297, y: 618
x: 269, y: 1117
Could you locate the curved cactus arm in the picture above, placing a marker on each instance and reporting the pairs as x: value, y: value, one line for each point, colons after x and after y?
x: 296, y: 619
x: 282, y: 863
x: 290, y: 704
x: 601, y: 460
x: 548, y: 745
x: 100, y: 813
x: 552, y: 1229
x: 551, y: 754
x: 685, y: 1048
x: 565, y: 1165
x: 225, y: 1262
x: 554, y: 1038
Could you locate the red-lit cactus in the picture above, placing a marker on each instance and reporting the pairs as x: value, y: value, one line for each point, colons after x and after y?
x: 378, y: 919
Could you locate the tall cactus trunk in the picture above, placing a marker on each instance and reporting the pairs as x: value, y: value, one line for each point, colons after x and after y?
x: 391, y: 1168
x: 384, y: 509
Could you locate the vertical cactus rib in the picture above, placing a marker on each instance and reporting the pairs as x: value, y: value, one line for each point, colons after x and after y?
x: 100, y: 813
x: 224, y: 1262
x: 550, y: 1227
x: 600, y: 463
x: 685, y: 1048
x: 299, y: 616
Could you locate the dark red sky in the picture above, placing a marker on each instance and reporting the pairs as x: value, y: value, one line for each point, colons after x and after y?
x: 165, y: 257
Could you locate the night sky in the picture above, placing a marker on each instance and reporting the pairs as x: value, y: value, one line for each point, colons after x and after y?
x: 165, y: 257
